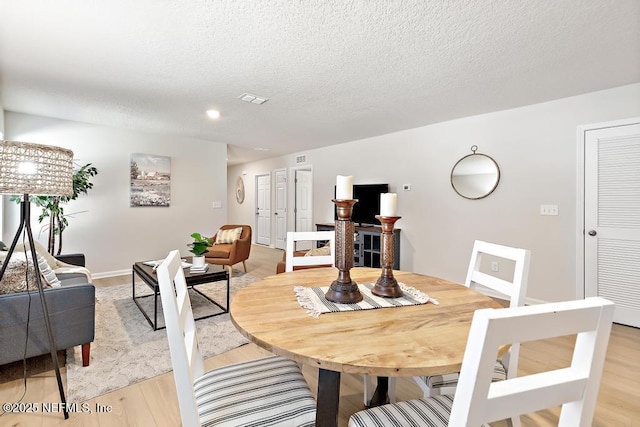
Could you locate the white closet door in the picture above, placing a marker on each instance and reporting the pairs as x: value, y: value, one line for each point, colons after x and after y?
x: 263, y: 209
x: 304, y: 204
x: 612, y: 219
x: 280, y: 214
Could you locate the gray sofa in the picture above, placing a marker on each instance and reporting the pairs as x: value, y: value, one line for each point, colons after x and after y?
x: 71, y: 310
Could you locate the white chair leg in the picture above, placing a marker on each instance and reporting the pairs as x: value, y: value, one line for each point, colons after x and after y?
x: 368, y: 390
x: 435, y: 391
x: 513, y: 422
x: 230, y: 267
x: 392, y: 390
x: 426, y: 391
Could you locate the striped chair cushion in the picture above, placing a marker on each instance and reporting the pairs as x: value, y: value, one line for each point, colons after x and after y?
x: 263, y: 392
x: 451, y: 380
x: 430, y: 412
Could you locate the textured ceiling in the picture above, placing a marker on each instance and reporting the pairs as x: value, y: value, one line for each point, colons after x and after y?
x: 334, y: 71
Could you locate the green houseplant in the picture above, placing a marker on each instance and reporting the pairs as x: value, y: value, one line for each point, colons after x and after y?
x: 199, y: 247
x: 53, y: 206
x: 200, y: 244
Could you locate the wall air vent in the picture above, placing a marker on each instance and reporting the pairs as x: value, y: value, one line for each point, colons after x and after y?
x: 253, y: 99
x: 301, y: 159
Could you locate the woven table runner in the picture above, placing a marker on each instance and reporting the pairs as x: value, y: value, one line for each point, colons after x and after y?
x: 313, y: 299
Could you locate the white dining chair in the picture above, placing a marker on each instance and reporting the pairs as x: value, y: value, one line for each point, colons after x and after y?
x: 479, y: 278
x: 479, y: 400
x: 514, y: 290
x: 268, y: 391
x: 310, y: 259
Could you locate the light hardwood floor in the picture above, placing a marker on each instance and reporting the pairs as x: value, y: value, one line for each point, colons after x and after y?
x: 154, y: 402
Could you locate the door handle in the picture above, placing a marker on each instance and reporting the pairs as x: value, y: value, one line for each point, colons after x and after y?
x: 592, y: 232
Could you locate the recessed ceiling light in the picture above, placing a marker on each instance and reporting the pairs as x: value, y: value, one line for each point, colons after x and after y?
x: 213, y: 114
x: 261, y: 149
x: 253, y: 99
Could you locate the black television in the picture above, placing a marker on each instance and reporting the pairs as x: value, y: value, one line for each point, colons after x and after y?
x: 368, y: 206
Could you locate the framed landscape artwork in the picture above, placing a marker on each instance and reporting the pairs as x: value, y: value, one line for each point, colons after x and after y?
x: 150, y: 180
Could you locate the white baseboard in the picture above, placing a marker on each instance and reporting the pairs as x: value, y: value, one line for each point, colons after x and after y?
x: 111, y: 274
x: 534, y: 301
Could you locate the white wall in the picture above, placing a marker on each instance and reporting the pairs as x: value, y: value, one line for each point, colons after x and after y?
x: 109, y: 232
x: 535, y: 147
x: 2, y: 123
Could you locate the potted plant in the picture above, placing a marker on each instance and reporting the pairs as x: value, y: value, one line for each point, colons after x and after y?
x: 199, y: 248
x: 53, y: 206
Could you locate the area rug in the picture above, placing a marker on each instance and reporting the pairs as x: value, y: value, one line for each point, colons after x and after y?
x: 126, y: 350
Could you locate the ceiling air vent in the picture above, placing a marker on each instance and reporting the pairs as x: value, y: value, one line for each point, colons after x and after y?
x: 301, y: 159
x: 253, y: 99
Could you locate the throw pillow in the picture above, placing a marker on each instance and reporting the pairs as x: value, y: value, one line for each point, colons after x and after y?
x: 17, y: 275
x: 228, y: 236
x: 325, y: 250
x: 47, y: 273
x: 40, y: 250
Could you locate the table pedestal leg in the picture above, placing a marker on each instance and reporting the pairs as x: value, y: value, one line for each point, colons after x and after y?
x: 381, y: 395
x: 328, y: 398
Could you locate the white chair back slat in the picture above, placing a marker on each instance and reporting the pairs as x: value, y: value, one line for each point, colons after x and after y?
x: 312, y: 260
x: 186, y: 358
x: 478, y: 400
x: 521, y: 259
x: 309, y: 236
x: 191, y: 344
x: 183, y: 314
x: 505, y: 288
x: 539, y: 392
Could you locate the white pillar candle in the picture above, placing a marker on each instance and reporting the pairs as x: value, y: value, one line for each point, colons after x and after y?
x: 388, y: 204
x: 344, y: 187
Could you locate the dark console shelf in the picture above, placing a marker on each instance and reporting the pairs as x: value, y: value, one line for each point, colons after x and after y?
x: 367, y: 245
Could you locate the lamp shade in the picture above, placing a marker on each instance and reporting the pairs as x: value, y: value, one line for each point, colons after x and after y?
x: 41, y: 170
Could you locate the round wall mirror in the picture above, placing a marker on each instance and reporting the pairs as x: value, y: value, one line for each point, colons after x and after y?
x: 475, y: 176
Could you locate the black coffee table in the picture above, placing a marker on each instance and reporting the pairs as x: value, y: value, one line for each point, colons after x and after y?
x: 149, y: 276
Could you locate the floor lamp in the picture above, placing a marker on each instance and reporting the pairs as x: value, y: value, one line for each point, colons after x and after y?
x: 42, y: 170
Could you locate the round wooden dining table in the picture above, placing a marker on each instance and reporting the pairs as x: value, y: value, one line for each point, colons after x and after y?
x: 426, y: 339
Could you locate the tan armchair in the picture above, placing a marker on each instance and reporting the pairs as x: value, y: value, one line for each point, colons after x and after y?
x: 231, y: 253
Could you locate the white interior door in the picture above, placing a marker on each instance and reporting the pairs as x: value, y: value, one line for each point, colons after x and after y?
x: 612, y: 218
x: 263, y: 209
x: 304, y: 204
x: 280, y: 208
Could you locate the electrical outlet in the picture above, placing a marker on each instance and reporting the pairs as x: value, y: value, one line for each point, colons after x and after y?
x: 217, y: 204
x: 406, y: 187
x: 495, y: 266
x: 549, y: 210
